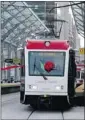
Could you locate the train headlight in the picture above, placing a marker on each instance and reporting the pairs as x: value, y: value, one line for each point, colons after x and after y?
x: 58, y: 88
x: 34, y: 87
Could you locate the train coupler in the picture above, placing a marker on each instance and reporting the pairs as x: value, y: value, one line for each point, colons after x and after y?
x: 45, y: 101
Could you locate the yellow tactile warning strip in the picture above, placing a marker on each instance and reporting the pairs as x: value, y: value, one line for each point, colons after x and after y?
x: 80, y: 89
x: 9, y: 84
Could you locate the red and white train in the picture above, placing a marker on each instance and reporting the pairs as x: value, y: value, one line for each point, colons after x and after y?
x: 49, y: 73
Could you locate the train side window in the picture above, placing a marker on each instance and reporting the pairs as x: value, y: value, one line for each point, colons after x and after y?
x: 22, y: 63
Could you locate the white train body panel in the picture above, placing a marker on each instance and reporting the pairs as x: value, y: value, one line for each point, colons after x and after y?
x: 55, y: 85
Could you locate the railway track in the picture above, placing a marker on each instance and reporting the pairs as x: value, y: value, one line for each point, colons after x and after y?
x: 12, y: 109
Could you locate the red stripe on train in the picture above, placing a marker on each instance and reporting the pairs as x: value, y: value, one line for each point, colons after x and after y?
x: 54, y: 44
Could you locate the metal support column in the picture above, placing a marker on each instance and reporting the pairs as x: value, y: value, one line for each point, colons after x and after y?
x: 0, y: 44
x: 9, y: 56
x: 15, y: 68
x: 2, y: 59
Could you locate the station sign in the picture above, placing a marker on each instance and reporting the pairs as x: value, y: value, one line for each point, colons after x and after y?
x: 12, y: 61
x: 82, y: 51
x: 8, y: 60
x: 16, y: 60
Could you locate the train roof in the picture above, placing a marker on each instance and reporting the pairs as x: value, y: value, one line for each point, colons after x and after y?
x: 48, y: 44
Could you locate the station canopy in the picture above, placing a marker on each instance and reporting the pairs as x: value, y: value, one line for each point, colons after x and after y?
x: 78, y: 13
x: 19, y: 22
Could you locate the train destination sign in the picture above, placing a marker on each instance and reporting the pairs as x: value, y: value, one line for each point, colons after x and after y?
x: 14, y: 60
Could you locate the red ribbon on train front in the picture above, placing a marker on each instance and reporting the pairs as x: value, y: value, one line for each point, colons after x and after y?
x: 48, y: 66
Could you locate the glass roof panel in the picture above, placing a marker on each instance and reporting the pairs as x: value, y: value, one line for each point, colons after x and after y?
x: 12, y: 35
x: 2, y: 21
x: 21, y: 26
x: 16, y: 31
x: 19, y: 4
x: 6, y: 15
x: 32, y: 18
x: 8, y: 26
x: 4, y: 30
x: 14, y: 21
x: 18, y: 19
x: 12, y: 10
x: 26, y: 12
x: 26, y: 22
x: 78, y: 13
x: 27, y: 30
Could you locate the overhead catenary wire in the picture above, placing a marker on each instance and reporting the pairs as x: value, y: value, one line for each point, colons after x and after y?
x: 69, y: 5
x: 49, y: 11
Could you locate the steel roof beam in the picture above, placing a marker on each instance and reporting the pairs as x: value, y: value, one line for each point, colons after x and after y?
x: 4, y: 9
x: 80, y: 33
x: 27, y: 35
x: 37, y: 17
x: 76, y: 12
x: 8, y: 42
x: 79, y: 6
x: 79, y: 24
x: 18, y: 20
x: 9, y: 19
x: 11, y: 30
x: 3, y: 25
x: 22, y: 31
x: 81, y: 28
x: 78, y: 18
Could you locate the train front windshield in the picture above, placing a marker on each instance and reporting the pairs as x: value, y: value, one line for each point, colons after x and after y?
x: 37, y: 60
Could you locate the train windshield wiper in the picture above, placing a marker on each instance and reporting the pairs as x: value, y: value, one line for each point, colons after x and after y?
x: 39, y: 70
